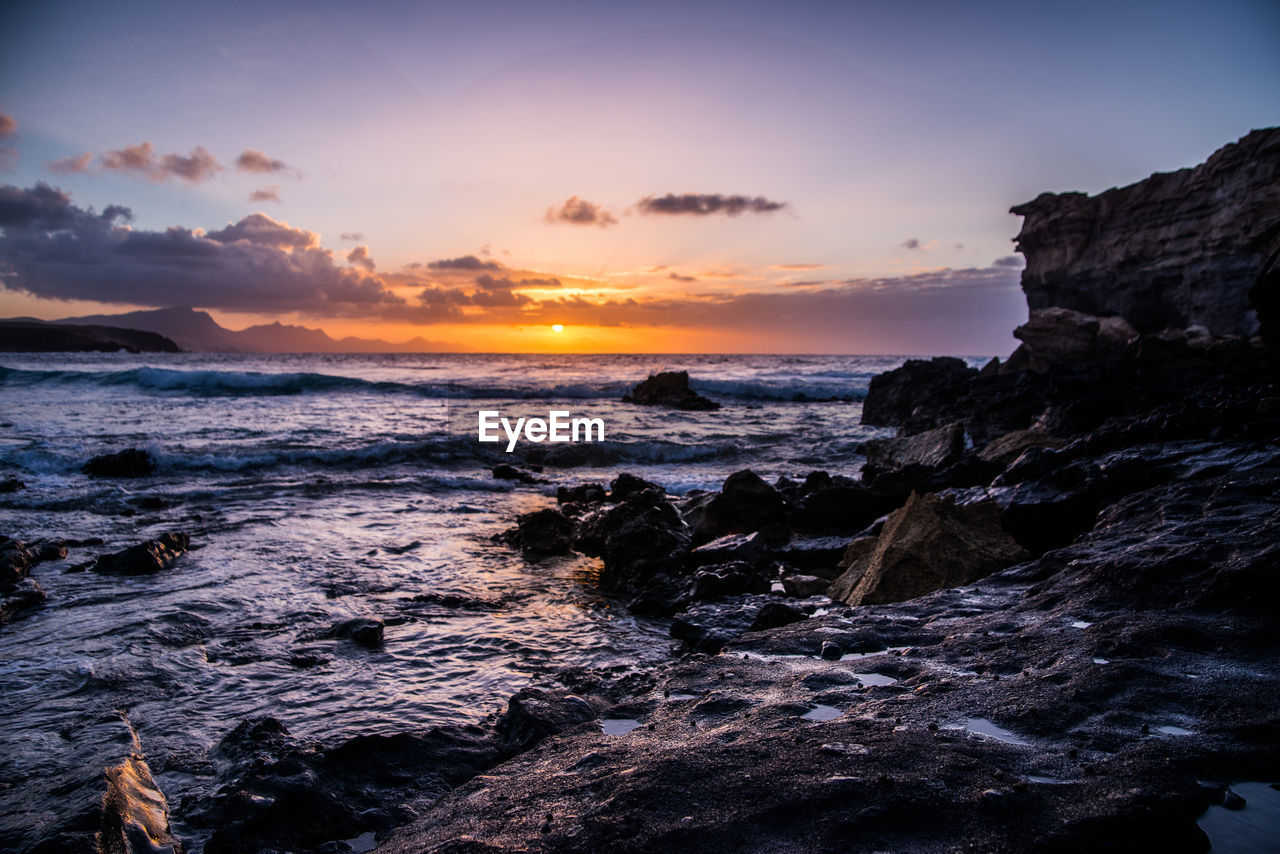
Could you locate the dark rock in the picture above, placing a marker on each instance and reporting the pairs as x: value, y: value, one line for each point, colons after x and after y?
x: 536, y: 713
x: 670, y: 388
x: 775, y: 614
x: 804, y: 586
x: 1061, y: 336
x: 131, y: 462
x: 726, y: 579
x: 895, y: 397
x: 135, y: 815
x: 626, y: 484
x: 831, y: 651
x: 814, y: 555
x: 640, y: 539
x: 506, y: 471
x: 1004, y: 450
x: 365, y: 631
x: 544, y: 532
x: 11, y: 484
x: 144, y: 558
x: 929, y: 544
x: 587, y: 493
x: 933, y: 448
x: 746, y: 503
x: 1177, y: 249
x: 38, y: 336
x: 1232, y: 801
x: 745, y: 548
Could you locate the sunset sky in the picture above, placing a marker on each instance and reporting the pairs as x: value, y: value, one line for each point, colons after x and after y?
x: 683, y: 177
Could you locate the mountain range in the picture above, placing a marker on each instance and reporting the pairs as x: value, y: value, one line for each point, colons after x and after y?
x: 197, y: 331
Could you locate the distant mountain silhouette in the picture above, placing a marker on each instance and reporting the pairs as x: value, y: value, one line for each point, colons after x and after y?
x: 197, y: 331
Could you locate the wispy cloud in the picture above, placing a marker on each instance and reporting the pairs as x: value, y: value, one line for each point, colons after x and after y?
x: 266, y: 194
x: 252, y: 160
x: 71, y: 165
x: 141, y: 161
x: 576, y: 211
x: 706, y: 204
x: 679, y: 278
x: 798, y: 266
x: 357, y: 236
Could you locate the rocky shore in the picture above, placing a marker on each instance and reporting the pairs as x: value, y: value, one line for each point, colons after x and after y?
x: 1042, y: 617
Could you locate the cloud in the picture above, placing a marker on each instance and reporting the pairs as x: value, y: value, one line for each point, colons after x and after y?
x: 490, y: 283
x: 679, y: 278
x: 266, y: 194
x: 262, y: 230
x: 798, y: 266
x: 252, y: 160
x: 70, y: 165
x: 141, y: 161
x: 54, y: 249
x: 466, y: 262
x: 351, y: 235
x: 1012, y: 261
x: 359, y: 257
x: 704, y: 204
x: 8, y: 130
x: 912, y: 243
x: 576, y: 211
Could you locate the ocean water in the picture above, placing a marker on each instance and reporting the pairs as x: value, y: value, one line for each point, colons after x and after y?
x: 318, y: 488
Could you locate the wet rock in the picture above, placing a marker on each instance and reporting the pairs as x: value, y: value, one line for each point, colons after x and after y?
x: 365, y: 631
x: 535, y: 713
x: 625, y: 485
x: 840, y: 507
x: 745, y: 504
x: 933, y: 448
x: 639, y: 540
x: 726, y: 579
x: 544, y: 532
x: 144, y: 558
x: 1004, y: 450
x: 1177, y: 249
x: 804, y: 586
x: 506, y: 471
x: 131, y: 462
x: 744, y: 548
x: 775, y: 614
x: 929, y: 544
x: 831, y: 651
x: 708, y: 626
x: 670, y: 388
x: 11, y: 484
x: 135, y: 815
x: 17, y: 558
x: 587, y: 493
x: 813, y: 555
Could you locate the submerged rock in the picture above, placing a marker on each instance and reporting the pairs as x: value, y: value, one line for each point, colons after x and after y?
x: 929, y: 544
x: 670, y: 388
x: 131, y: 462
x: 144, y: 558
x: 365, y: 631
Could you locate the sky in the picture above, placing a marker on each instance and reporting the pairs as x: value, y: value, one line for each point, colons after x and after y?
x: 657, y: 177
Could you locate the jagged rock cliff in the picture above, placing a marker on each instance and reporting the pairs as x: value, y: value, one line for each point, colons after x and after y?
x: 1175, y: 250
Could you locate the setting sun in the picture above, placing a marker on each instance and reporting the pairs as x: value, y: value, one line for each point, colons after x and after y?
x: 557, y: 328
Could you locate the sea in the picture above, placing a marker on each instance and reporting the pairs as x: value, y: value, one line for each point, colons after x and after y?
x: 318, y: 488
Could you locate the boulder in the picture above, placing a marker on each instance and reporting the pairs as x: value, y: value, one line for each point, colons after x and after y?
x: 639, y: 539
x: 919, y: 387
x: 544, y: 532
x: 669, y: 388
x: 144, y: 558
x: 625, y: 484
x: 1003, y: 450
x: 1062, y: 336
x: 745, y: 503
x: 929, y: 544
x: 587, y: 493
x: 535, y: 713
x: 1174, y: 250
x: 727, y: 579
x: 131, y: 462
x: 506, y: 471
x: 747, y: 548
x: 932, y: 448
x: 804, y: 586
x: 775, y: 614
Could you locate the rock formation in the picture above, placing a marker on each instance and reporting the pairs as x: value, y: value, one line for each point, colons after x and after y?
x: 1178, y: 249
x: 670, y: 388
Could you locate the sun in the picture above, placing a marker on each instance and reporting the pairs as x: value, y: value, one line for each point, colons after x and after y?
x: 559, y: 327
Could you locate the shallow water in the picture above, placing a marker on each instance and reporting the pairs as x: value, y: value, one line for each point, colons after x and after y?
x: 319, y: 488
